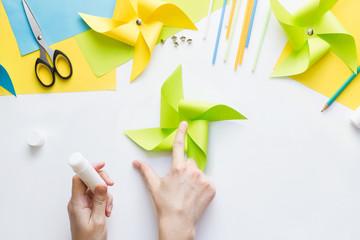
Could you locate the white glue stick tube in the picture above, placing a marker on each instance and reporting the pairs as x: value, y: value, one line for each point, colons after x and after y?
x: 355, y: 118
x: 85, y: 171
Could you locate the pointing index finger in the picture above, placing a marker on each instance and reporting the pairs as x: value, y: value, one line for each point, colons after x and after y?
x: 179, y: 145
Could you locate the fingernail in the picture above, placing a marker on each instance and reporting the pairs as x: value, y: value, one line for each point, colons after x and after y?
x: 101, y: 190
x: 136, y: 164
x: 184, y: 124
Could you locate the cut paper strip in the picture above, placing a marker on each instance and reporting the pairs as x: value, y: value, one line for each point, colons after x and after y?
x: 5, y: 81
x: 313, y: 31
x: 232, y: 30
x: 207, y: 24
x: 330, y: 72
x: 22, y: 69
x: 58, y: 19
x: 219, y: 32
x: 262, y: 38
x: 244, y: 32
x: 104, y: 53
x: 175, y: 109
x: 138, y: 23
x: 251, y: 24
x: 231, y: 17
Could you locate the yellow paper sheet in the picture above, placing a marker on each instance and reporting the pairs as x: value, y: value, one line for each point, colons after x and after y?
x: 22, y: 69
x: 329, y: 74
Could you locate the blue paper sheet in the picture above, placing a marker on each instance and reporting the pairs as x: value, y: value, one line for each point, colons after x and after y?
x: 5, y: 81
x: 58, y: 19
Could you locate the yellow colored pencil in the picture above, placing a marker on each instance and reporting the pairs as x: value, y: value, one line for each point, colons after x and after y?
x: 230, y: 19
x: 244, y: 32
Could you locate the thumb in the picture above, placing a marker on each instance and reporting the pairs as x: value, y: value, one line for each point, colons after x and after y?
x: 99, y: 202
x: 151, y: 179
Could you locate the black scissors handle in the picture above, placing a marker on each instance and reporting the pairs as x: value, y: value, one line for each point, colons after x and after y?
x: 57, y: 55
x: 50, y: 75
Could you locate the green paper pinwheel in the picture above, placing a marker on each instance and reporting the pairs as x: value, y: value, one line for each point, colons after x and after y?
x: 174, y: 109
x: 313, y: 30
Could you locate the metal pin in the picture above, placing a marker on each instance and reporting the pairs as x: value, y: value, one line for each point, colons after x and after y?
x: 39, y: 37
x: 183, y: 38
x: 189, y: 41
x: 176, y: 44
x: 138, y: 22
x: 174, y: 38
x: 310, y: 32
x: 162, y: 41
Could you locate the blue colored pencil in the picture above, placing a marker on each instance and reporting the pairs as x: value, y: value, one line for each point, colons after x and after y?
x: 219, y: 32
x: 251, y: 23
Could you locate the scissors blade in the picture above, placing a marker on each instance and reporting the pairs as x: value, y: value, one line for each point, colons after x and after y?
x: 32, y: 21
x: 35, y: 28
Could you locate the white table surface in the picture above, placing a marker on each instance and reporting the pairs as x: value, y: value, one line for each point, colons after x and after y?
x: 288, y: 172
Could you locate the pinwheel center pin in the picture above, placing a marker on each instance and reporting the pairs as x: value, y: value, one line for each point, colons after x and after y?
x: 310, y: 32
x: 138, y: 22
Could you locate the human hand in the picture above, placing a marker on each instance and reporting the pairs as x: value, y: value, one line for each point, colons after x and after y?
x: 182, y: 196
x: 87, y: 210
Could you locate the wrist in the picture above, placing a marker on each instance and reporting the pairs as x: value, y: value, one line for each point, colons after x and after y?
x: 172, y: 228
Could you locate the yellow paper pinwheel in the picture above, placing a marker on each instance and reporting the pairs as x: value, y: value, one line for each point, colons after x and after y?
x: 313, y: 30
x: 175, y: 109
x: 139, y: 23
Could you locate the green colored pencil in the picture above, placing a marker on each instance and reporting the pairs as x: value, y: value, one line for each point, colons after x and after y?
x: 342, y: 88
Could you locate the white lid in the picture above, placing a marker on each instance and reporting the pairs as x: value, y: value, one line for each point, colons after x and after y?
x: 355, y: 118
x: 35, y: 139
x: 78, y: 162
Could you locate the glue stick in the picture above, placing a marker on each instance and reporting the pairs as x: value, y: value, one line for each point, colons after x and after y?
x: 85, y: 171
x: 35, y: 138
x: 355, y: 118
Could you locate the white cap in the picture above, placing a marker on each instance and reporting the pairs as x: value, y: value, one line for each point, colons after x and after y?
x: 35, y: 139
x: 355, y: 118
x: 78, y: 162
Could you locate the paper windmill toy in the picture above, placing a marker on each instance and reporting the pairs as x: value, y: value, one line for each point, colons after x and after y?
x: 139, y: 23
x: 313, y: 30
x: 5, y: 81
x: 174, y: 109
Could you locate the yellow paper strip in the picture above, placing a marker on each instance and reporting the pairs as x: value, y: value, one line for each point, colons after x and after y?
x: 244, y: 32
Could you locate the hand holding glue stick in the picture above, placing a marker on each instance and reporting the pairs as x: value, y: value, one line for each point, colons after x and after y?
x: 90, y: 202
x: 85, y: 171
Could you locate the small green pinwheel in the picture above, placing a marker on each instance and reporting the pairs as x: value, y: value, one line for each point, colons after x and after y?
x: 313, y: 30
x: 174, y: 109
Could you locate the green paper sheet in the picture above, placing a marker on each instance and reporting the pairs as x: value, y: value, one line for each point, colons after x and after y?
x: 313, y: 30
x: 105, y: 54
x: 175, y: 109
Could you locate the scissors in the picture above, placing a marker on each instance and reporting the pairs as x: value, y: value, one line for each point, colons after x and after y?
x: 45, y: 73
